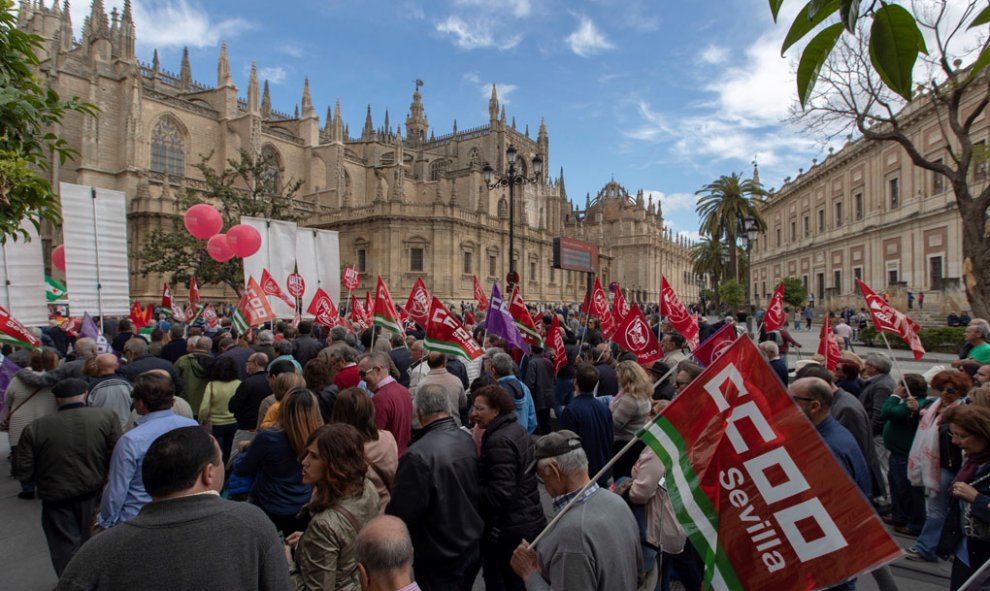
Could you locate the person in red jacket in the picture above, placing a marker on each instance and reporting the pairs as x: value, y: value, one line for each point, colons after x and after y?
x: 393, y: 403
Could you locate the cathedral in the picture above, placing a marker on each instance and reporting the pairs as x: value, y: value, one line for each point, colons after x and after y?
x: 409, y: 201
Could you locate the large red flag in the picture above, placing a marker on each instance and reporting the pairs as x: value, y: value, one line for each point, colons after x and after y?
x: 166, y: 298
x: 887, y: 319
x: 775, y: 317
x: 271, y: 287
x: 137, y: 316
x: 369, y: 308
x: 254, y: 305
x: 619, y: 306
x: 634, y: 335
x: 351, y: 278
x: 523, y: 319
x: 761, y: 497
x: 358, y: 314
x: 715, y: 345
x: 828, y: 345
x: 556, y: 338
x: 599, y: 308
x: 193, y: 292
x: 210, y: 316
x: 16, y: 333
x: 323, y: 310
x: 446, y: 335
x: 418, y: 305
x: 479, y: 294
x: 674, y: 311
x: 386, y: 316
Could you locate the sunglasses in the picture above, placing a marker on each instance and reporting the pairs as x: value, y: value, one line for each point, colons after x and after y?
x: 948, y: 390
x: 362, y: 373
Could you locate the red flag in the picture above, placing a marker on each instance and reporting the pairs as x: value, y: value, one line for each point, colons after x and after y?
x: 16, y: 332
x: 368, y: 309
x: 599, y: 308
x: 775, y: 317
x: 446, y: 335
x: 254, y: 305
x: 418, y: 305
x: 715, y: 346
x: 634, y: 335
x: 556, y: 339
x: 887, y: 319
x: 673, y: 310
x: 270, y: 287
x: 179, y: 314
x: 479, y: 294
x: 166, y: 297
x: 828, y: 345
x: 523, y: 319
x: 351, y: 278
x: 619, y: 306
x: 386, y: 315
x: 757, y: 490
x: 193, y: 291
x: 137, y: 316
x: 358, y: 314
x: 210, y: 316
x: 323, y: 310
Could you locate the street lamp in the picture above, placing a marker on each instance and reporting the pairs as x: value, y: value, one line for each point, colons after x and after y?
x: 752, y: 231
x: 511, y: 180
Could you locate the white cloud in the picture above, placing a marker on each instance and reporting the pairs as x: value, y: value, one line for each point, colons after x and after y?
x: 292, y: 50
x: 517, y: 8
x: 475, y: 33
x: 672, y: 202
x: 273, y: 74
x: 411, y: 10
x: 587, y: 40
x: 714, y: 55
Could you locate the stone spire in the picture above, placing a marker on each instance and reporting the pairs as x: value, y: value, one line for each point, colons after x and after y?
x: 756, y: 174
x: 266, y: 103
x: 501, y: 119
x: 185, y: 71
x: 416, y: 122
x: 307, y: 102
x: 126, y: 35
x: 328, y: 124
x: 338, y: 124
x: 455, y: 126
x: 513, y: 122
x: 65, y: 30
x: 155, y: 65
x: 98, y: 23
x: 388, y: 127
x: 493, y: 108
x: 223, y: 68
x: 253, y: 100
x: 563, y: 191
x: 369, y: 129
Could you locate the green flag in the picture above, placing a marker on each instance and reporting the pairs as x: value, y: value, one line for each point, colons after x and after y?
x: 54, y: 290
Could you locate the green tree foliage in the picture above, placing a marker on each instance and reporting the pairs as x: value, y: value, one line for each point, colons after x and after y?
x: 723, y: 207
x: 707, y: 259
x: 245, y: 187
x: 29, y: 116
x: 731, y: 293
x: 794, y: 292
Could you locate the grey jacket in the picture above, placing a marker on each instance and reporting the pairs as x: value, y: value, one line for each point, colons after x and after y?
x: 876, y: 391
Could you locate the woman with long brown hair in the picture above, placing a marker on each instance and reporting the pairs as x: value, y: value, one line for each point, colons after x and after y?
x: 273, y: 461
x: 630, y: 412
x: 322, y: 557
x: 354, y: 408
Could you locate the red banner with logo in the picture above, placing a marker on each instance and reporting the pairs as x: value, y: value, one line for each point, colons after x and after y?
x: 254, y: 305
x: 619, y: 306
x: 358, y: 314
x: 828, y: 345
x: 270, y: 287
x: 193, y: 292
x: 350, y: 278
x: 599, y: 308
x: 418, y: 304
x: 674, y: 311
x: 210, y: 316
x: 385, y: 314
x: 715, y: 345
x: 323, y: 310
x: 17, y: 332
x: 887, y: 319
x: 775, y: 317
x: 479, y: 295
x: 523, y: 319
x: 167, y: 297
x: 634, y: 335
x: 556, y: 339
x: 755, y: 488
x: 445, y: 334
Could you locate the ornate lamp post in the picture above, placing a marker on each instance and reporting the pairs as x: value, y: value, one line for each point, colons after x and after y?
x: 511, y: 179
x: 752, y: 231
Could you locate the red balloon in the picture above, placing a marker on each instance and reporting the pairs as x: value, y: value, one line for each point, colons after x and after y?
x: 203, y: 220
x: 219, y: 249
x: 244, y: 240
x: 58, y: 257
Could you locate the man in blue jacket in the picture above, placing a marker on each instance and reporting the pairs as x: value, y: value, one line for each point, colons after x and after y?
x: 504, y: 369
x: 589, y: 417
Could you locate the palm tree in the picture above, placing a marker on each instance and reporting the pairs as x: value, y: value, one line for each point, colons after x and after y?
x: 724, y: 206
x: 707, y: 261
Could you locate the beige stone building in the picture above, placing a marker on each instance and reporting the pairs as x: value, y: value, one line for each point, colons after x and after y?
x: 867, y: 212
x: 409, y: 201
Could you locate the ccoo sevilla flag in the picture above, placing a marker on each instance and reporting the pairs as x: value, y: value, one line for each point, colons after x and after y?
x: 253, y: 308
x: 386, y: 317
x: 556, y: 339
x: 523, y: 319
x: 828, y: 345
x: 634, y: 335
x: 15, y: 333
x: 674, y: 311
x: 755, y: 488
x: 479, y: 295
x: 775, y: 317
x: 323, y: 310
x: 446, y: 335
x: 887, y: 319
x: 418, y: 304
x: 599, y: 308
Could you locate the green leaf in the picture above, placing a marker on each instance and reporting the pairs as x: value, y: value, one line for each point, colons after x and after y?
x: 813, y: 58
x: 813, y: 13
x: 775, y: 8
x: 981, y: 19
x: 849, y: 13
x: 895, y: 41
x: 980, y: 64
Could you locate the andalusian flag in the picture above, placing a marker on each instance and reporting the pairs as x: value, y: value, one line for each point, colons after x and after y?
x: 386, y: 317
x: 239, y: 321
x: 523, y: 319
x: 54, y: 290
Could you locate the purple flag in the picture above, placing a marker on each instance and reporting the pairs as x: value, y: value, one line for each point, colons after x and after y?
x: 499, y: 322
x: 89, y: 330
x: 7, y: 370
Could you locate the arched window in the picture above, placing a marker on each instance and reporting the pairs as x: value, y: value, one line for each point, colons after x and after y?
x: 168, y: 152
x: 503, y: 209
x: 474, y: 157
x: 437, y: 169
x: 271, y: 177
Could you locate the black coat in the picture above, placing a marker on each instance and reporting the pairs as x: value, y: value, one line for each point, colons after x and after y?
x: 173, y: 349
x: 436, y: 493
x: 402, y: 360
x: 952, y: 531
x: 540, y: 380
x: 247, y: 400
x: 510, y: 501
x: 304, y: 348
x: 147, y: 363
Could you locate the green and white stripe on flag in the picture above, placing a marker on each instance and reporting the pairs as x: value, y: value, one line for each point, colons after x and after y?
x: 240, y: 322
x: 388, y: 324
x: 446, y: 347
x: 533, y: 337
x: 54, y: 290
x: 695, y: 512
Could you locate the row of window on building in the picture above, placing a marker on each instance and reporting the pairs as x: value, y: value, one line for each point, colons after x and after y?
x: 935, y: 278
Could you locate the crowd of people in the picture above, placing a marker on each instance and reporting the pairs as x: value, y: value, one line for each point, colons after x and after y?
x: 294, y: 457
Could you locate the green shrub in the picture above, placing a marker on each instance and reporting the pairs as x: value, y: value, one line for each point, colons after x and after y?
x: 944, y: 339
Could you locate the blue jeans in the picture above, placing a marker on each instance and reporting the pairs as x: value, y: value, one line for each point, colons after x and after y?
x: 563, y: 393
x: 936, y: 508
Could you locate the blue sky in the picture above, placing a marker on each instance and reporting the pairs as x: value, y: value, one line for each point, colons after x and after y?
x: 665, y: 96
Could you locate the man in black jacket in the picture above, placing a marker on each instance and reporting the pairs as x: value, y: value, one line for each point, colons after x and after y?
x: 247, y: 400
x: 139, y: 360
x: 176, y: 346
x: 401, y: 357
x: 305, y: 347
x: 436, y: 494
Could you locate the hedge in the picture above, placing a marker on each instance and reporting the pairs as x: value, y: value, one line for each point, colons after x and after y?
x: 944, y: 339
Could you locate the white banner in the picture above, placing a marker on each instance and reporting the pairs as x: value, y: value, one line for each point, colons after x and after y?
x: 277, y: 254
x: 318, y: 261
x: 94, y: 229
x: 22, y: 278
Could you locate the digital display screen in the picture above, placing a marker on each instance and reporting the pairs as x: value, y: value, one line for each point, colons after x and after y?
x: 575, y: 255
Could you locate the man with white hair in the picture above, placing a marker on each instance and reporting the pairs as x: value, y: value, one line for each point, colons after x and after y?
x: 977, y: 334
x: 879, y: 387
x: 84, y: 350
x: 595, y: 545
x: 779, y: 366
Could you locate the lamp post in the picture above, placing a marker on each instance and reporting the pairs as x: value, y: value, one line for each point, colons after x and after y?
x: 752, y: 231
x: 511, y: 179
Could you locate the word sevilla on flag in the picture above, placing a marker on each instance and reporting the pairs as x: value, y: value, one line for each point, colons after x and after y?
x: 271, y: 287
x: 599, y: 308
x: 674, y: 311
x: 418, y: 304
x: 828, y: 345
x: 446, y: 335
x: 775, y: 317
x: 350, y: 278
x: 523, y: 319
x: 16, y: 333
x: 386, y: 317
x: 715, y: 345
x: 556, y: 338
x: 619, y: 306
x: 887, y: 319
x: 755, y: 488
x: 254, y: 305
x: 323, y: 310
x: 193, y: 291
x: 634, y: 335
x: 479, y: 294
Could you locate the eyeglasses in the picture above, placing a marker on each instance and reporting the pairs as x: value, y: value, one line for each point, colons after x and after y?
x: 948, y: 389
x: 681, y: 384
x: 958, y: 437
x: 802, y: 398
x: 364, y: 373
x: 477, y: 408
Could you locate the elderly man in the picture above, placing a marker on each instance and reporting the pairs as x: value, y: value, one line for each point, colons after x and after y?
x: 110, y: 391
x: 401, y: 357
x: 246, y: 401
x: 186, y: 536
x: 139, y: 360
x: 503, y: 369
x: 977, y: 350
x: 383, y: 551
x: 176, y: 346
x: 779, y: 366
x: 85, y: 349
x: 595, y: 545
x: 672, y: 346
x: 608, y: 380
x: 982, y: 376
x: 343, y: 358
x: 194, y: 367
x: 393, y: 404
x: 436, y: 494
x: 417, y: 364
x: 878, y: 388
x: 451, y: 384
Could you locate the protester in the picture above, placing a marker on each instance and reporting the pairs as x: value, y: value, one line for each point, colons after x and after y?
x: 264, y: 343
x: 176, y: 346
x: 125, y: 332
x: 343, y: 501
x: 393, y: 404
x: 595, y: 545
x: 214, y: 410
x: 879, y: 386
x: 84, y: 350
x: 686, y: 373
x: 139, y: 361
x: 608, y: 380
x: 451, y: 385
x: 540, y: 380
x: 503, y: 369
x: 510, y: 501
x: 977, y: 334
x: 343, y: 358
x: 247, y: 400
x: 591, y: 420
x: 237, y: 352
x: 982, y: 375
x: 24, y: 404
x: 194, y: 369
x: 847, y: 377
x: 778, y: 365
x: 401, y: 357
x: 354, y: 408
x: 282, y: 384
x: 630, y: 413
x: 305, y: 346
x: 67, y: 454
x: 383, y: 551
x: 672, y: 346
x: 436, y: 486
x: 417, y: 364
x: 319, y: 380
x: 187, y: 536
x: 901, y: 413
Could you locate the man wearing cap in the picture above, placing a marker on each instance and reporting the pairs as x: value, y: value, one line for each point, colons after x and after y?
x: 68, y: 455
x: 595, y: 545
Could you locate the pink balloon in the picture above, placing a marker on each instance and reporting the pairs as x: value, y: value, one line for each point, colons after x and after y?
x: 244, y: 240
x: 219, y: 249
x: 203, y: 220
x: 58, y: 257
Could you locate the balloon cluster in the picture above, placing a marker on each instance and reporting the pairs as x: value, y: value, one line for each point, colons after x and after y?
x: 204, y: 222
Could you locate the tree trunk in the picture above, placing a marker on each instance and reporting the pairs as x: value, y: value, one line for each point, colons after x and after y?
x: 976, y: 249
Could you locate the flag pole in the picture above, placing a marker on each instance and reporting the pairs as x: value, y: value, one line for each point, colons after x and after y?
x: 758, y: 330
x: 896, y: 364
x: 977, y: 577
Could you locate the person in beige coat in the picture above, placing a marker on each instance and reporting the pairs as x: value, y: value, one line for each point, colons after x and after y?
x: 353, y: 407
x: 24, y: 403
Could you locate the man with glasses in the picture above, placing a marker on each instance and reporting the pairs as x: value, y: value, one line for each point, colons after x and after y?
x: 687, y: 371
x: 392, y: 401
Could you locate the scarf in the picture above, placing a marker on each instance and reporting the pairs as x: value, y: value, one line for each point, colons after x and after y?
x: 923, y: 461
x: 971, y: 465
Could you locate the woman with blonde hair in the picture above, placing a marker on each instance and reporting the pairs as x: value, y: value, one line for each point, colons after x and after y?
x: 344, y: 499
x: 354, y: 408
x: 273, y: 461
x: 630, y: 412
x: 282, y: 384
